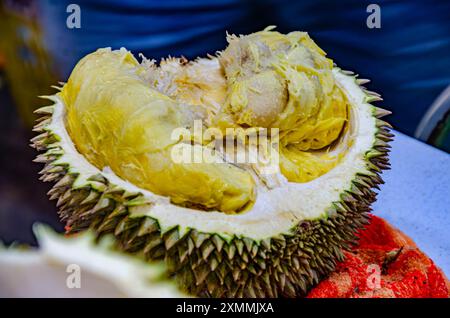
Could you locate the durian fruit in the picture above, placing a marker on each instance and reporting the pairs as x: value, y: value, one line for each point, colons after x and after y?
x: 78, y: 266
x: 224, y: 228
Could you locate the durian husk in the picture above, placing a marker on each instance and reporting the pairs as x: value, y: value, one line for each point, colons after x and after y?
x: 207, y: 264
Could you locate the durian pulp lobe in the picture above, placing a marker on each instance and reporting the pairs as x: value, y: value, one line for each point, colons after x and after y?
x: 199, y: 83
x: 116, y: 120
x: 286, y: 82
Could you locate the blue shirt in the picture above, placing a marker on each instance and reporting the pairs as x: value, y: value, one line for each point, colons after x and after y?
x: 408, y: 58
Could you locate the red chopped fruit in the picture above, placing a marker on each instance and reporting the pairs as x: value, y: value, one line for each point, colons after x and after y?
x: 385, y: 263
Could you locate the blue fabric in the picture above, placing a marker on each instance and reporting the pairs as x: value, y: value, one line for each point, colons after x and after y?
x: 155, y: 28
x: 408, y: 59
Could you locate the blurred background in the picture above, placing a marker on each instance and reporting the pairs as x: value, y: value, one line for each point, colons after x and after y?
x: 407, y: 58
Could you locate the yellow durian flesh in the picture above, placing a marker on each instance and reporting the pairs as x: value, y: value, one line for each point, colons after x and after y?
x: 116, y: 120
x: 285, y: 81
x: 121, y: 114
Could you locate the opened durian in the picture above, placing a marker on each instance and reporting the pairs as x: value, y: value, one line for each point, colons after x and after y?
x: 225, y: 227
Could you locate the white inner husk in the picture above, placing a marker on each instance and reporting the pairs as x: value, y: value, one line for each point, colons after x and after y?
x: 48, y: 271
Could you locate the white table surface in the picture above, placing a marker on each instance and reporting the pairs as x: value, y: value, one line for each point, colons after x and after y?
x: 416, y: 196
